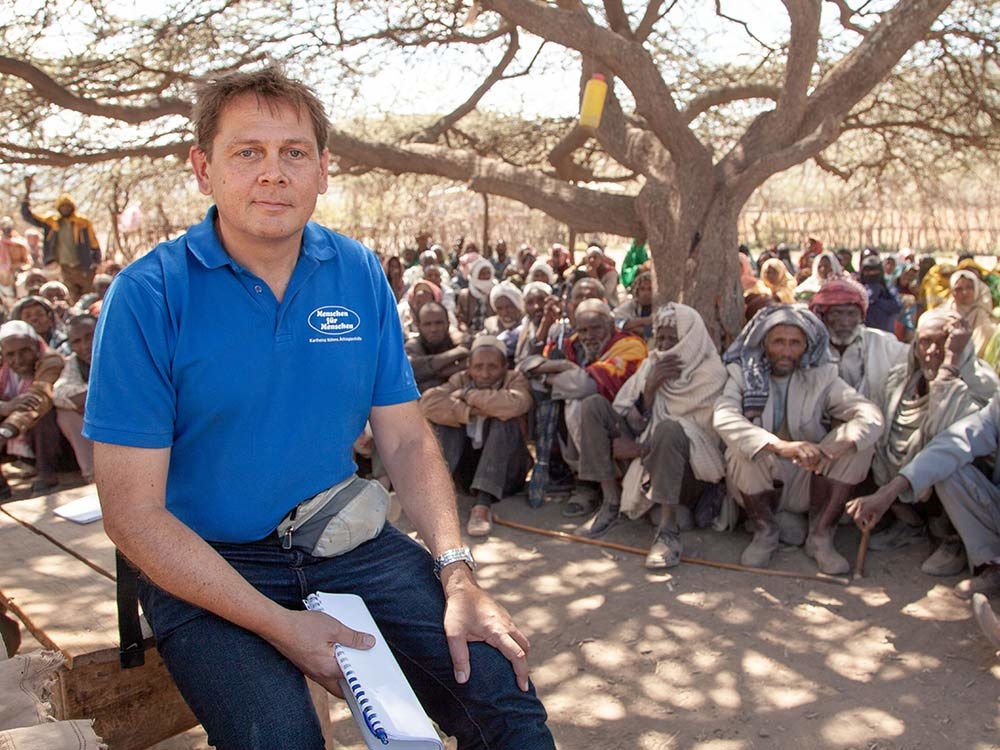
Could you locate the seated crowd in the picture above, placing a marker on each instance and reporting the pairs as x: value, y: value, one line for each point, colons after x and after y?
x: 46, y: 335
x: 869, y: 393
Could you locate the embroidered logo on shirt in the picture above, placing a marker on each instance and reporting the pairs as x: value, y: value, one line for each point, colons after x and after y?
x: 334, y: 322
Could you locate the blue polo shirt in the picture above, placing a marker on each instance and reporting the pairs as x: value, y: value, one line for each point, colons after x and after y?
x: 260, y: 402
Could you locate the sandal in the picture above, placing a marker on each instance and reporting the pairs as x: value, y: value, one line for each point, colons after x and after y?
x: 580, y: 505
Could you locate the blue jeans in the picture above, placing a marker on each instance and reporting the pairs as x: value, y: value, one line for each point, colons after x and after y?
x: 249, y: 697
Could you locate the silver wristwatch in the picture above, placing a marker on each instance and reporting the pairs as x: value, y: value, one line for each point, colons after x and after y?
x: 458, y: 554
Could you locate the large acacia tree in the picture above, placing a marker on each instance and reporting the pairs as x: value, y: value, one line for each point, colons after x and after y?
x: 686, y: 138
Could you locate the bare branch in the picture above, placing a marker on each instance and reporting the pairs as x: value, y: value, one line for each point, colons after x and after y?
x: 431, y: 134
x: 561, y: 156
x: 650, y: 17
x: 803, y: 45
x: 847, y: 17
x: 744, y: 24
x: 625, y: 59
x: 52, y: 91
x: 587, y: 210
x: 13, y: 153
x: 617, y: 18
x: 827, y: 166
x: 720, y: 96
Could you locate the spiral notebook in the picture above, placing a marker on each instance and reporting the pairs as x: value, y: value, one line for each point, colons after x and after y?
x: 382, y: 702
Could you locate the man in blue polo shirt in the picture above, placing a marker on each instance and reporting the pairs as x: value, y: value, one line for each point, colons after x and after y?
x: 233, y: 369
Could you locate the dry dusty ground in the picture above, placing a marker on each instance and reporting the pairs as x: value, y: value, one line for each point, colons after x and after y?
x: 707, y: 659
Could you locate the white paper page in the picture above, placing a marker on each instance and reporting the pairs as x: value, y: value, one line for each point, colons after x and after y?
x: 82, y: 510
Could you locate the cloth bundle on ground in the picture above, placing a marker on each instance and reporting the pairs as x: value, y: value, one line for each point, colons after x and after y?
x: 26, y: 721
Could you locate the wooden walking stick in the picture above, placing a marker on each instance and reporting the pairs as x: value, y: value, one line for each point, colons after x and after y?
x: 859, y: 563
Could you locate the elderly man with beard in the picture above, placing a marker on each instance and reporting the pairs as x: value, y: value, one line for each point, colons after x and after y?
x: 508, y: 302
x: 434, y: 353
x: 863, y: 355
x: 941, y: 383
x: 668, y: 404
x: 477, y: 419
x: 774, y: 416
x: 29, y: 426
x: 599, y: 359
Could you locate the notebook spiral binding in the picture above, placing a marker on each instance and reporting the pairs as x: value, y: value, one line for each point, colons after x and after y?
x: 364, y: 705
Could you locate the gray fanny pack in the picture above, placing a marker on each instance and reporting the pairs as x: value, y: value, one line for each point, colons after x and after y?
x: 337, y: 519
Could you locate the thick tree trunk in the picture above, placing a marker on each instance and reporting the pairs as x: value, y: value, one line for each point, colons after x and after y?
x: 693, y: 245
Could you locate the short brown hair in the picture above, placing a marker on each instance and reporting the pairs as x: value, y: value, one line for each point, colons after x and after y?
x: 270, y: 84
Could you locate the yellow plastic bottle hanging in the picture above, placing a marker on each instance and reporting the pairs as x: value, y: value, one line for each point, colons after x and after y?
x: 593, y: 102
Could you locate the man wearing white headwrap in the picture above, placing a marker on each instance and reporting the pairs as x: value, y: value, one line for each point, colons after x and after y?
x: 477, y: 416
x: 668, y: 404
x: 536, y: 294
x: 942, y: 381
x: 29, y: 426
x: 508, y: 301
x: 542, y: 271
x: 774, y: 416
x: 473, y: 304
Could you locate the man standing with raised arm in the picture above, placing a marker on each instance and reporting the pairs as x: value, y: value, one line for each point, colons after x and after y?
x: 233, y: 368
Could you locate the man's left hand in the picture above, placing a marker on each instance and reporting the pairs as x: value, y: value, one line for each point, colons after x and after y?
x: 473, y: 615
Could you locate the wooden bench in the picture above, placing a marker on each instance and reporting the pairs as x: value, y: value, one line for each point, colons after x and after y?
x: 57, y: 578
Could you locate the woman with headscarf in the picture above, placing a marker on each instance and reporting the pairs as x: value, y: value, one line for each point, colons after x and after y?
x: 779, y: 282
x: 905, y: 282
x: 668, y: 403
x: 825, y: 266
x: 472, y: 307
x: 421, y: 292
x: 971, y: 299
x: 883, y: 302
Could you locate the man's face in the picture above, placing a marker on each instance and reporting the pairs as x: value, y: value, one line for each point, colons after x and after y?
x: 964, y: 292
x: 34, y: 240
x: 584, y: 289
x: 65, y: 210
x: 38, y: 318
x: 81, y: 340
x: 56, y: 294
x: 665, y: 337
x: 843, y: 322
x: 844, y: 257
x: 20, y: 354
x: 534, y: 305
x: 784, y: 346
x: 929, y: 347
x: 592, y: 331
x: 487, y: 367
x: 265, y: 172
x: 485, y: 274
x: 501, y: 250
x: 433, y: 325
x: 421, y: 295
x: 507, y: 312
x: 7, y: 232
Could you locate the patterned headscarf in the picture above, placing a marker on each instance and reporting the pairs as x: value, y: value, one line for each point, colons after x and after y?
x: 748, y: 351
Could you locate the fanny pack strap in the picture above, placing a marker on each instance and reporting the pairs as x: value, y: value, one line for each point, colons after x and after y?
x: 337, y: 502
x: 130, y: 648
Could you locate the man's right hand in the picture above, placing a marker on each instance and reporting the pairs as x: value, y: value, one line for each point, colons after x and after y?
x: 867, y: 510
x: 799, y: 452
x: 666, y: 369
x: 307, y: 639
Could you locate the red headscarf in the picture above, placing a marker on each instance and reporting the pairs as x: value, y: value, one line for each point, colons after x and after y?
x: 839, y: 291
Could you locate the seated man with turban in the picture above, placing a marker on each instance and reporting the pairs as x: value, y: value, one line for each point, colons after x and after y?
x: 774, y: 416
x: 508, y: 302
x: 668, y: 404
x: 598, y: 360
x: 942, y: 382
x: 477, y: 416
x: 863, y: 355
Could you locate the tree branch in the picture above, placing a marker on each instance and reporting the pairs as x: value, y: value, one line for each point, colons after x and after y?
x: 431, y: 134
x: 50, y: 90
x: 13, y: 153
x: 617, y: 18
x: 627, y: 60
x: 846, y: 16
x: 649, y: 19
x: 726, y: 95
x: 584, y: 209
x: 802, y: 49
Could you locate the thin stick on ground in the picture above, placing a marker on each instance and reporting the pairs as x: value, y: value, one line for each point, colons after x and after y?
x: 821, y: 577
